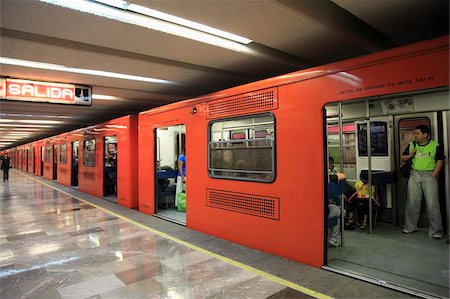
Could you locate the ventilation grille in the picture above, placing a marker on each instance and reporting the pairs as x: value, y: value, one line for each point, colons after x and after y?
x: 89, y: 176
x: 256, y: 205
x: 247, y: 103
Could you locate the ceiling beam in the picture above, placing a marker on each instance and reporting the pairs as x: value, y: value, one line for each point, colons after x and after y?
x: 334, y: 18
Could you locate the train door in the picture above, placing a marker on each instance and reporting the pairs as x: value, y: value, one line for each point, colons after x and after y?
x: 170, y: 144
x: 404, y: 127
x: 34, y: 160
x: 55, y: 162
x: 74, y: 163
x: 378, y: 250
x: 110, y: 168
x: 27, y: 159
x: 42, y: 160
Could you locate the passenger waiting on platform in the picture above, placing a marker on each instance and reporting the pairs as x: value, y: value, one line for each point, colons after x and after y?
x: 181, y: 179
x: 6, y: 164
x: 427, y: 160
x: 361, y: 201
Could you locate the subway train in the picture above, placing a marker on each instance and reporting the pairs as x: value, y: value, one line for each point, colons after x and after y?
x: 257, y: 161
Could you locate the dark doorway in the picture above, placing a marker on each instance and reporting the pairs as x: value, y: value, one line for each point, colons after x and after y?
x: 74, y: 180
x: 55, y: 162
x: 110, y: 170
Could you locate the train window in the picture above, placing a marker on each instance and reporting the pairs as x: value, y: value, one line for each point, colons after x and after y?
x: 63, y: 153
x: 89, y: 152
x: 47, y: 153
x: 243, y: 148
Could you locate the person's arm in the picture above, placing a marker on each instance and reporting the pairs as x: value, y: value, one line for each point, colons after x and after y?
x: 406, y: 156
x: 437, y: 168
x: 180, y: 171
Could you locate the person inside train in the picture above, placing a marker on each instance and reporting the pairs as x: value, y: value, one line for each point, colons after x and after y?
x: 181, y: 179
x: 333, y: 211
x: 427, y: 158
x: 360, y: 202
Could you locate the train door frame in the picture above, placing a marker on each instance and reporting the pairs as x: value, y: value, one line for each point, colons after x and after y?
x: 42, y: 160
x: 75, y: 167
x: 113, y: 170
x: 400, y: 202
x: 178, y: 146
x: 441, y: 116
x: 34, y: 159
x: 55, y: 162
x: 27, y: 159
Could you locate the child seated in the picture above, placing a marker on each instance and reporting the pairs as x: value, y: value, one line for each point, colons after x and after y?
x: 361, y: 202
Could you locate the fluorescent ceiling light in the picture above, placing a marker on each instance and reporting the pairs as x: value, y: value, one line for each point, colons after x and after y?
x: 105, y: 97
x: 25, y: 126
x: 30, y: 121
x: 175, y: 27
x: 62, y: 68
x: 18, y: 129
x: 186, y: 23
x: 31, y: 115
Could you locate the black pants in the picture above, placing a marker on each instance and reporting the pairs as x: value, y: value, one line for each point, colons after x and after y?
x: 360, y: 205
x: 5, y: 174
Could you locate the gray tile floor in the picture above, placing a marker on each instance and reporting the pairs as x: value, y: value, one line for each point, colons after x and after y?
x: 413, y: 260
x: 53, y: 245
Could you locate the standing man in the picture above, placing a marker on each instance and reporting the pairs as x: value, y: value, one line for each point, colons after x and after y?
x: 6, y: 162
x: 181, y: 165
x: 427, y: 160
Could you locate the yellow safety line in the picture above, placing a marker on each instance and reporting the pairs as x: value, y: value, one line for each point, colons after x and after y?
x: 195, y: 247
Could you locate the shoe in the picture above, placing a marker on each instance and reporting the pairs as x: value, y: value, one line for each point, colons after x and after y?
x: 363, y: 226
x: 334, y: 242
x: 437, y: 236
x: 405, y: 231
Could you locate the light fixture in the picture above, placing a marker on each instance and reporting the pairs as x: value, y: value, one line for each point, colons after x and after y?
x: 30, y: 121
x: 62, y: 68
x: 31, y: 115
x: 105, y: 97
x: 155, y: 20
x: 25, y: 126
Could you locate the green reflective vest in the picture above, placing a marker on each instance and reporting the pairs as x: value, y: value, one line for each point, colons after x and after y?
x: 424, y: 160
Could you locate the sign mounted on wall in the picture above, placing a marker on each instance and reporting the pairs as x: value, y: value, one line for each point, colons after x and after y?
x: 36, y: 91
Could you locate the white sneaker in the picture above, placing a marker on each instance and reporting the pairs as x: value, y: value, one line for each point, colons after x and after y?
x: 334, y: 242
x: 437, y: 236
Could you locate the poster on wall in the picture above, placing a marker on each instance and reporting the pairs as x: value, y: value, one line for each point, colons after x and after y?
x: 378, y: 139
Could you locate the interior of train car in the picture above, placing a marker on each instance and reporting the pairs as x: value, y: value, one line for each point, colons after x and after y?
x: 243, y: 148
x: 55, y: 162
x: 74, y: 163
x: 170, y: 144
x: 377, y: 248
x: 110, y: 170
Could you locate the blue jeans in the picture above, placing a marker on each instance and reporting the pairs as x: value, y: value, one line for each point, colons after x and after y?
x: 422, y: 181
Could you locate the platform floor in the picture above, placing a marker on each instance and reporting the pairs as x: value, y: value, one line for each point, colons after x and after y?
x: 56, y: 242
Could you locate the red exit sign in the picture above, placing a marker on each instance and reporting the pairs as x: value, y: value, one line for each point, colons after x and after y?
x: 35, y: 91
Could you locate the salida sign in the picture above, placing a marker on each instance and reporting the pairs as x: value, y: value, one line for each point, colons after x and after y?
x: 35, y: 91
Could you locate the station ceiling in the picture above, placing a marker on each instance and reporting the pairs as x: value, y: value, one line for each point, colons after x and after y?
x: 120, y: 37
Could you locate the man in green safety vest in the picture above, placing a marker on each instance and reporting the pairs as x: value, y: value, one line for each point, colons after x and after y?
x: 427, y: 160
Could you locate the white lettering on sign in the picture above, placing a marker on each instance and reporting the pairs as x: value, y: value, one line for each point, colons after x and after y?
x: 24, y: 90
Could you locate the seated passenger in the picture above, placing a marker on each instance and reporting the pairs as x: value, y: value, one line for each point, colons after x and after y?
x: 361, y: 202
x: 334, y: 211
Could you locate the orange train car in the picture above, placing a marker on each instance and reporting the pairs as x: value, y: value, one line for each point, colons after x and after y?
x: 99, y: 160
x: 256, y: 154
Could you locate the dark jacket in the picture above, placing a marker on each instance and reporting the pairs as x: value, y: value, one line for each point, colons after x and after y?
x: 6, y: 162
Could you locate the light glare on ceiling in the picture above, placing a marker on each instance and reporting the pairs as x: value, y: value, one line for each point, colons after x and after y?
x: 175, y: 27
x: 30, y: 121
x: 62, y: 68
